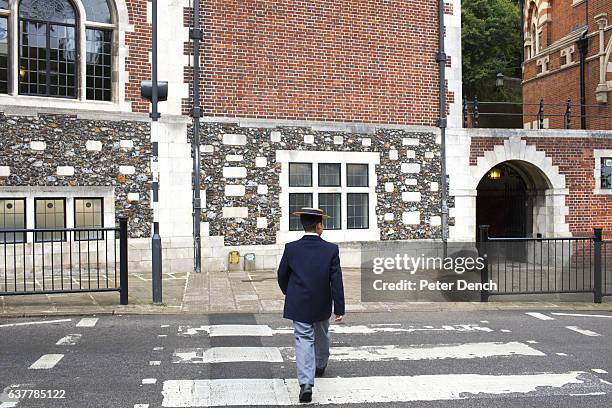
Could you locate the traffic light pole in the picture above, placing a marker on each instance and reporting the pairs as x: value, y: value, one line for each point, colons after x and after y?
x: 156, y: 246
x: 196, y: 113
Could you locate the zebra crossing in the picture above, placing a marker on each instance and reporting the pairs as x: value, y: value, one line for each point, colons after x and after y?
x: 364, y: 368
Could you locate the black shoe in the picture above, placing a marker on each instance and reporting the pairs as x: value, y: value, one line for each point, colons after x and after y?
x: 305, y: 393
x: 319, y: 372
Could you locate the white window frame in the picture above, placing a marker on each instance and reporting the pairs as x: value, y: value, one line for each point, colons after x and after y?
x: 119, y: 75
x: 599, y: 154
x: 372, y: 233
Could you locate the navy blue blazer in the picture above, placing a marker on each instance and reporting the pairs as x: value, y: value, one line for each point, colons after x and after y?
x: 310, y: 277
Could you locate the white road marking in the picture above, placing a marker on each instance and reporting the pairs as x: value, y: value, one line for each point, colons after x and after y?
x: 228, y: 330
x: 155, y: 363
x: 427, y: 352
x: 69, y: 340
x: 157, y: 348
x: 164, y: 325
x: 149, y: 380
x: 562, y: 354
x: 228, y: 355
x: 162, y: 335
x: 8, y: 404
x: 540, y: 316
x: 599, y: 371
x: 532, y: 342
x: 38, y: 322
x: 87, y: 322
x: 587, y: 394
x: 141, y: 405
x: 484, y: 321
x: 362, y: 329
x: 583, y: 331
x: 371, y: 390
x: 582, y: 315
x: 46, y: 361
x: 505, y: 331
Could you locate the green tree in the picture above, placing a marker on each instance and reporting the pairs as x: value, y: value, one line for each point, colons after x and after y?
x: 491, y: 43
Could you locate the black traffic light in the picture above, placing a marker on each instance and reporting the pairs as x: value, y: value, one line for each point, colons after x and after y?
x: 146, y: 90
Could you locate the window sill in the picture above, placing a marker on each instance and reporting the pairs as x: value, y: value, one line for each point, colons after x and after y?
x: 48, y: 103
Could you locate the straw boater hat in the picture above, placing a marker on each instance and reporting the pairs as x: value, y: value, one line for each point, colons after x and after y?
x: 311, y: 211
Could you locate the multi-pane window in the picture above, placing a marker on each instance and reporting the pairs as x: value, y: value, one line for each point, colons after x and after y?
x: 88, y: 213
x: 357, y: 211
x: 49, y: 63
x: 297, y: 201
x: 606, y: 172
x: 4, y: 52
x: 12, y: 216
x: 48, y: 48
x: 329, y: 174
x: 300, y: 175
x: 357, y: 175
x: 340, y: 190
x: 330, y: 204
x: 50, y: 213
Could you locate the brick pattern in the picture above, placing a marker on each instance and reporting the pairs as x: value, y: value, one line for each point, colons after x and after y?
x: 575, y: 159
x: 366, y: 61
x: 563, y: 18
x: 137, y: 63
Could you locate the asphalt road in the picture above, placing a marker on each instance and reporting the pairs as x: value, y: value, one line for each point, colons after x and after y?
x: 422, y: 359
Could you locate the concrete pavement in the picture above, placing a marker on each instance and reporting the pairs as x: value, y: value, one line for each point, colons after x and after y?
x: 250, y: 292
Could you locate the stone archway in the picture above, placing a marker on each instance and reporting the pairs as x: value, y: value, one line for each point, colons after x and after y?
x: 545, y: 187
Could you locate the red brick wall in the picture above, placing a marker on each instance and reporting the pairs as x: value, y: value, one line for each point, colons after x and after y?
x: 558, y: 87
x: 137, y: 62
x: 574, y: 156
x: 366, y: 61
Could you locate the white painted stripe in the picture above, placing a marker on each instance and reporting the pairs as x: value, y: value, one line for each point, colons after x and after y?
x: 532, y: 342
x: 69, y: 340
x: 46, y: 361
x: 141, y: 405
x: 38, y: 322
x: 505, y: 331
x: 582, y: 315
x: 87, y: 322
x: 362, y: 329
x: 228, y: 330
x: 562, y: 354
x: 149, y: 380
x: 599, y: 371
x: 157, y: 348
x: 228, y: 355
x: 155, y: 363
x: 540, y: 316
x: 583, y: 331
x: 162, y: 335
x: 371, y: 390
x: 587, y: 394
x: 164, y: 325
x: 10, y: 404
x: 426, y: 352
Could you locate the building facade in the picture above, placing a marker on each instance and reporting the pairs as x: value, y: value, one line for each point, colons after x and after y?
x: 306, y: 103
x: 552, y: 31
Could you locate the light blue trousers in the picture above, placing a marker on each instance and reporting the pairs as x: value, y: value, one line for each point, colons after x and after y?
x: 311, y: 348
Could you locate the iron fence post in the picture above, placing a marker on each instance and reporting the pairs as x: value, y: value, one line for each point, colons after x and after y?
x: 465, y: 112
x: 123, y: 260
x: 597, y: 278
x: 541, y: 115
x: 483, y: 253
x: 475, y: 113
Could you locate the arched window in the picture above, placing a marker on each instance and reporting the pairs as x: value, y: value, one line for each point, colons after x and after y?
x: 47, y: 56
x: 61, y: 48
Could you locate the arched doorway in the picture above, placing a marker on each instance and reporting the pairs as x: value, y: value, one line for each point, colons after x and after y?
x: 511, y: 199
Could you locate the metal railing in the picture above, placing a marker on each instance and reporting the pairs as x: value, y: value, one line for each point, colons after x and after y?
x: 64, y: 260
x: 522, y: 266
x: 559, y: 115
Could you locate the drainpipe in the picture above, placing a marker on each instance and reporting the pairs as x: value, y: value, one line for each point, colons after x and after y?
x: 196, y: 34
x: 583, y: 45
x: 441, y: 60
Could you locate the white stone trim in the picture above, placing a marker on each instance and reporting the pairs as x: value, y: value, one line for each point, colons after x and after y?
x: 344, y: 235
x: 598, y: 154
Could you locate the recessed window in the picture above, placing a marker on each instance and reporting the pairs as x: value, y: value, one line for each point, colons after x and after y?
x: 329, y: 174
x: 297, y: 201
x: 4, y: 54
x: 606, y: 172
x: 357, y: 175
x: 12, y: 216
x: 330, y: 204
x: 50, y: 213
x: 88, y: 213
x: 357, y: 211
x: 300, y: 175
